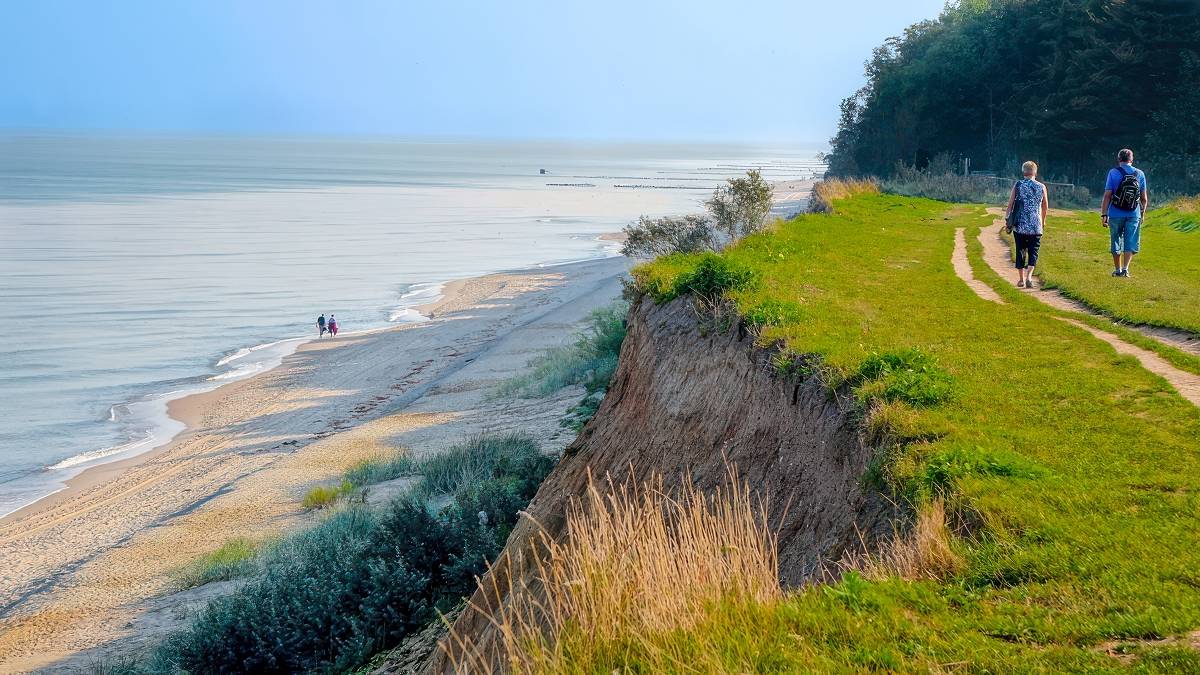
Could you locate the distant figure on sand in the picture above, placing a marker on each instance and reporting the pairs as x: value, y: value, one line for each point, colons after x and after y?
x: 321, y: 326
x: 332, y: 326
x: 1026, y: 216
x: 1121, y: 211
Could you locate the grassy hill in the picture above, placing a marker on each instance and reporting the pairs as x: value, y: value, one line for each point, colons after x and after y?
x: 1066, y: 473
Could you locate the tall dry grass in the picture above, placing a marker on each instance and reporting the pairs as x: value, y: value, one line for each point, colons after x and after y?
x: 635, y: 563
x: 921, y: 553
x: 826, y: 192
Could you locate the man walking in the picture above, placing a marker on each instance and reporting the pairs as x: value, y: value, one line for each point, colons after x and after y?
x: 1121, y: 211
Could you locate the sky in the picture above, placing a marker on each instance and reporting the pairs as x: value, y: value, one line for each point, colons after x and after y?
x: 742, y: 70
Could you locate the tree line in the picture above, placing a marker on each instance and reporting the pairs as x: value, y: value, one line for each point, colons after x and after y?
x: 1063, y: 82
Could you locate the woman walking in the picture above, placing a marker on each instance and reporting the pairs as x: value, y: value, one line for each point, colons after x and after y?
x: 332, y: 326
x: 1026, y: 218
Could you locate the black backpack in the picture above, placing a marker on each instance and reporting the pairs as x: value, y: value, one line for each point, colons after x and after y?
x: 1128, y: 194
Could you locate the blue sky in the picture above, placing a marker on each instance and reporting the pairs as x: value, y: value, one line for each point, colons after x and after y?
x: 604, y: 69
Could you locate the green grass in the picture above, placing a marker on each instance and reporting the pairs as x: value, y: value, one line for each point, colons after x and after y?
x: 324, y: 496
x: 1079, y: 465
x: 234, y: 559
x: 381, y: 468
x: 478, y: 458
x: 1163, y: 289
x: 474, y: 460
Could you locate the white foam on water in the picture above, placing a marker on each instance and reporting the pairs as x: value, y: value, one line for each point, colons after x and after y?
x: 150, y: 424
x: 415, y: 296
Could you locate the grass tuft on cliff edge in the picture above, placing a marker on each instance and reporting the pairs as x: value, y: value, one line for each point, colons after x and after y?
x: 1079, y: 467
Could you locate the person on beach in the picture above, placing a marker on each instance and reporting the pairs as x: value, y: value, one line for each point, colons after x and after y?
x: 1121, y: 210
x: 333, y: 327
x: 321, y: 326
x: 1027, y: 207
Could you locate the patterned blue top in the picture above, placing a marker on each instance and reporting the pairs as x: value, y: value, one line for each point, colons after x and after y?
x: 1029, y: 218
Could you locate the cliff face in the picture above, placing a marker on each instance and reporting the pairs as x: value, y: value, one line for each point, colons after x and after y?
x: 685, y: 397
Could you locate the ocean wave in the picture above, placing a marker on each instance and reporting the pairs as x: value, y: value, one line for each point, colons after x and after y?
x: 93, y: 455
x: 244, y: 370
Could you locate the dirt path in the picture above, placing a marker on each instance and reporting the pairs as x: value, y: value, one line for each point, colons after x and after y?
x: 962, y: 267
x: 1187, y: 384
x: 997, y: 255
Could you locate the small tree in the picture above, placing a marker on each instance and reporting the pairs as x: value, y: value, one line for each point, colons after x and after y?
x: 741, y: 207
x: 735, y: 210
x: 652, y: 237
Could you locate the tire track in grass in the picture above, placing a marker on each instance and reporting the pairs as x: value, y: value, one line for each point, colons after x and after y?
x: 997, y: 255
x: 962, y: 267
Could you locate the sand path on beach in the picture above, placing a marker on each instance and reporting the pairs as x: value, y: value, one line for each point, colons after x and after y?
x: 95, y: 567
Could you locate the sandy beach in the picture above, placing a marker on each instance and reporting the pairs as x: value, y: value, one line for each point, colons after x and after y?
x: 91, y: 571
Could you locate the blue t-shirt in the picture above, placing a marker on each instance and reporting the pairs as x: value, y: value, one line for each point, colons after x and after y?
x: 1114, y: 180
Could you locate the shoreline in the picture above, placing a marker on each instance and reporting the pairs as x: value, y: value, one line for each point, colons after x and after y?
x: 187, y: 407
x: 92, y: 565
x: 90, y: 568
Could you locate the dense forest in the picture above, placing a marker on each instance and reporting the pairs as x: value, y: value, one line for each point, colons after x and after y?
x: 1063, y: 82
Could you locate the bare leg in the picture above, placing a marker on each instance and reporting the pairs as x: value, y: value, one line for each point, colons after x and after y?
x: 1117, y: 261
x: 1126, y: 258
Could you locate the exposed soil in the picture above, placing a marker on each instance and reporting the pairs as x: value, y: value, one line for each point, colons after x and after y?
x: 686, y: 398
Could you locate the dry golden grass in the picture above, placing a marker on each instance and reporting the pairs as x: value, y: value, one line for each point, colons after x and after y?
x: 634, y: 563
x: 826, y: 192
x: 922, y: 553
x: 1187, y: 204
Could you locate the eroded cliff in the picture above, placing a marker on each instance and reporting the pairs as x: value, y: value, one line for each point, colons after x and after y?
x: 692, y: 393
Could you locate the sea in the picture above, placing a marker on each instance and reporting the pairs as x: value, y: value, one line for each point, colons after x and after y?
x: 137, y: 269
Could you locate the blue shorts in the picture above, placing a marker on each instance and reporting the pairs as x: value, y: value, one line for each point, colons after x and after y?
x: 1125, y: 234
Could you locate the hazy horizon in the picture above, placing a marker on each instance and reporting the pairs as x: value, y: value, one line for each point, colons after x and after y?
x: 623, y: 72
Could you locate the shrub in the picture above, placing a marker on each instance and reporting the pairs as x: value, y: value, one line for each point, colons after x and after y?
x: 741, y: 206
x: 233, y: 559
x: 652, y: 237
x: 359, y: 581
x: 591, y: 360
x: 736, y: 209
x: 828, y: 191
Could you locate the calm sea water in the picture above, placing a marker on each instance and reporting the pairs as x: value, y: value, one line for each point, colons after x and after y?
x: 136, y: 269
